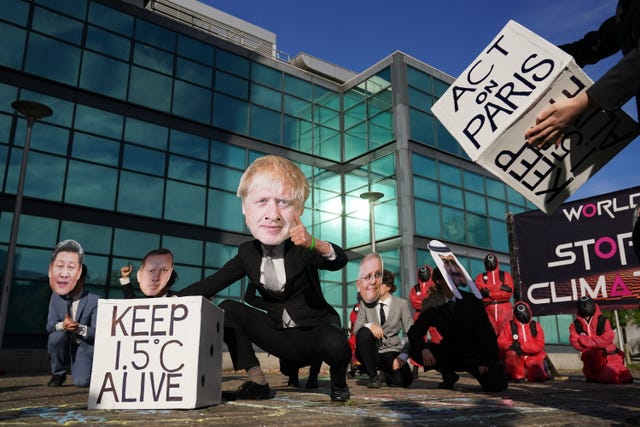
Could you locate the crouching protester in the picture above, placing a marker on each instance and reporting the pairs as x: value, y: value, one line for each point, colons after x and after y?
x: 591, y: 334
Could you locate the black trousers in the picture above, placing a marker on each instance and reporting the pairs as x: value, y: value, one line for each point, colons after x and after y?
x: 245, y: 326
x: 367, y: 353
x: 495, y: 379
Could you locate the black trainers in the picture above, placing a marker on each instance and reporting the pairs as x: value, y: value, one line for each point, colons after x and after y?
x: 312, y: 382
x: 57, y: 380
x: 374, y: 382
x: 340, y: 394
x: 293, y: 381
x: 448, y: 380
x: 248, y: 391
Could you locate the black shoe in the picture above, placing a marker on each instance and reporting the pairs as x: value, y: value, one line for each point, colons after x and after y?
x: 312, y: 383
x: 448, y: 380
x: 340, y: 394
x: 57, y: 380
x: 293, y: 381
x: 414, y: 372
x: 374, y: 382
x: 248, y: 391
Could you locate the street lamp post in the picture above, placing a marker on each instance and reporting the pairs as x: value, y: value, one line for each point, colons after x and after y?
x: 373, y: 197
x: 32, y: 111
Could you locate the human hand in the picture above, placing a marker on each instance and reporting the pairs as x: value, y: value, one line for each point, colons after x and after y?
x: 299, y: 234
x: 377, y: 331
x: 552, y: 122
x: 68, y: 324
x: 398, y: 363
x: 126, y: 270
x: 428, y: 359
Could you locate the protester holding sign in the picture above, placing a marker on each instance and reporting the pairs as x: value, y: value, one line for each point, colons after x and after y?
x: 155, y: 276
x: 283, y: 260
x: 71, y: 321
x: 618, y: 33
x: 591, y: 334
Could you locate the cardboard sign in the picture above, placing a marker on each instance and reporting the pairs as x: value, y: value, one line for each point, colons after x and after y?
x: 453, y: 272
x: 153, y: 353
x: 497, y: 98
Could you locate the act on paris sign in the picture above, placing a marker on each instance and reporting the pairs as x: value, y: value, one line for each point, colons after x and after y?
x: 157, y: 353
x: 496, y: 99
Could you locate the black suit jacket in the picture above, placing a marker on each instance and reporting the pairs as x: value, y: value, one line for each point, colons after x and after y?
x: 618, y: 33
x: 468, y: 338
x: 302, y: 295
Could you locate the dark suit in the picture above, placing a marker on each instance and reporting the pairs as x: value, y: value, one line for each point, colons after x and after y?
x: 317, y: 332
x: 373, y: 353
x: 618, y: 33
x: 468, y: 339
x: 62, y: 343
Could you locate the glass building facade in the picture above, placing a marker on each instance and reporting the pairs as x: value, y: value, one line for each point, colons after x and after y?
x: 154, y: 123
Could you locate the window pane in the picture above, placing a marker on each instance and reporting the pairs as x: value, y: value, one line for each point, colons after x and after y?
x: 108, y: 43
x: 111, y: 19
x: 43, y: 59
x: 147, y: 200
x: 133, y: 244
x: 45, y: 175
x: 424, y: 166
x: 143, y: 160
x: 298, y: 87
x: 194, y: 72
x: 15, y: 11
x: 91, y: 185
x: 473, y: 181
x: 155, y: 35
x: 104, y: 75
x: 56, y: 25
x: 96, y: 149
x: 450, y: 174
x: 230, y: 114
x: 427, y: 219
x: 232, y: 85
x: 150, y: 89
x: 224, y: 178
x: 37, y: 231
x: 44, y: 137
x: 75, y: 8
x: 266, y: 75
x: 477, y: 231
x: 475, y: 203
x: 232, y: 63
x: 12, y: 45
x: 185, y: 251
x: 498, y: 233
x: 189, y: 145
x: 419, y: 79
x: 497, y: 209
x: 224, y: 211
x: 453, y: 225
x: 451, y: 196
x: 150, y: 57
x: 93, y: 238
x: 192, y: 102
x: 194, y: 49
x: 425, y: 189
x: 98, y: 122
x: 265, y: 124
x: 145, y: 133
x: 421, y: 127
x: 185, y: 203
x: 185, y: 169
x: 230, y: 155
x: 266, y: 97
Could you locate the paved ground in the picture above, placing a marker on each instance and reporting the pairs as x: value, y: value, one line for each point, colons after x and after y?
x: 26, y: 400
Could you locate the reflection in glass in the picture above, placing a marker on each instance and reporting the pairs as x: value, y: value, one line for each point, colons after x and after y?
x: 143, y: 160
x: 43, y: 59
x: 140, y: 194
x: 12, y: 45
x: 150, y: 89
x: 104, y: 75
x: 108, y: 43
x: 91, y: 185
x: 185, y: 203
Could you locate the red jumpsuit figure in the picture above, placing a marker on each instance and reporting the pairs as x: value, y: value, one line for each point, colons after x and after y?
x: 418, y: 293
x: 521, y: 344
x: 591, y: 334
x: 496, y: 288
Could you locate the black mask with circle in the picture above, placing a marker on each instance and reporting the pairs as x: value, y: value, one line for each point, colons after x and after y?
x: 586, y: 306
x: 522, y: 313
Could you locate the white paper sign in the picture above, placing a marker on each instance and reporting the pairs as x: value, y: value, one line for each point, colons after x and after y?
x: 497, y: 98
x: 453, y: 272
x: 153, y: 353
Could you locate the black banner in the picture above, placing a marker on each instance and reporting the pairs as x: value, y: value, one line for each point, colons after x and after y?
x: 583, y: 248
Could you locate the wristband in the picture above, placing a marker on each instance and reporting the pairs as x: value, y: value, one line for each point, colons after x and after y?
x: 313, y: 243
